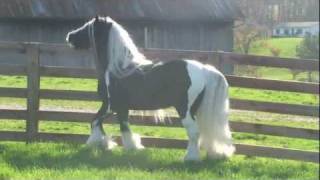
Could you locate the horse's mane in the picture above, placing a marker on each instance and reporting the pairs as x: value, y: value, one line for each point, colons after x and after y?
x: 124, y: 56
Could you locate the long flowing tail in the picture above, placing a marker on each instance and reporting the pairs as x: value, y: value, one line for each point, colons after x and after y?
x: 212, y: 116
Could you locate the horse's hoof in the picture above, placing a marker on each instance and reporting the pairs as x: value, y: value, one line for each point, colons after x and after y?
x: 108, y: 144
x: 139, y: 147
x: 111, y: 145
x: 192, y: 158
x: 93, y: 143
x: 216, y: 156
x: 132, y: 141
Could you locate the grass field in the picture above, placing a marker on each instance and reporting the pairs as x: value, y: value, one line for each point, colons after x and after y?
x: 74, y: 161
x: 71, y: 161
x: 287, y: 47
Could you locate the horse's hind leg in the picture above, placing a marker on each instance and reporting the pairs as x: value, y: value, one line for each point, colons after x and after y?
x: 188, y: 121
x: 129, y: 140
x: 187, y: 109
x: 193, y: 149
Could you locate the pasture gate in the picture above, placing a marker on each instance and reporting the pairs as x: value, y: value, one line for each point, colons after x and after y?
x: 32, y: 114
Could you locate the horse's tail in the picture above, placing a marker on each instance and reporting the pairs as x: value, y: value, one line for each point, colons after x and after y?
x: 212, y: 116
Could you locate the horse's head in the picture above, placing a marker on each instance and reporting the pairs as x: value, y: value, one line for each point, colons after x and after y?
x: 94, y: 31
x: 111, y: 43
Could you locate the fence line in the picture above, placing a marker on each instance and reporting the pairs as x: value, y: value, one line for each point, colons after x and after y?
x: 234, y: 58
x: 242, y: 149
x: 170, y: 122
x: 33, y: 94
x: 251, y: 105
x: 236, y: 81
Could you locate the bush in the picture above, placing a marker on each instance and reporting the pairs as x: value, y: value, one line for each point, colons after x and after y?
x: 275, y: 51
x: 264, y: 44
x: 309, y: 47
x: 247, y: 70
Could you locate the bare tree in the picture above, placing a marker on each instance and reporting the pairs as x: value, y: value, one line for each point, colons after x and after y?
x: 245, y: 34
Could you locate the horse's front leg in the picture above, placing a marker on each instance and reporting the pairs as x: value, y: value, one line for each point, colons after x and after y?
x: 98, y: 136
x: 129, y: 140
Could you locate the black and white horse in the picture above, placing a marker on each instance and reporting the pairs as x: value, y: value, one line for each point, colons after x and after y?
x: 128, y: 81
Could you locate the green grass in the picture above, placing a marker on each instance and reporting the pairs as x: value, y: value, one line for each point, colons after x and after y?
x: 275, y: 119
x: 285, y: 74
x: 164, y: 132
x: 274, y: 96
x: 72, y: 161
x: 286, y: 45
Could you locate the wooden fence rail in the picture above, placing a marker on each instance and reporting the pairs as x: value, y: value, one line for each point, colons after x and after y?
x: 170, y: 122
x: 32, y: 114
x: 240, y: 104
x: 233, y: 58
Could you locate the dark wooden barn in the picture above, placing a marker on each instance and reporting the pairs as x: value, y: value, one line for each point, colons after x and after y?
x: 168, y: 24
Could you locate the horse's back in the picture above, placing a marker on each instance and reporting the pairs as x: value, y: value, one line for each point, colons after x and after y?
x: 154, y: 86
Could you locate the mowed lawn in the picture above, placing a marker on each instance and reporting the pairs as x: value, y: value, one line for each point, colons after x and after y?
x: 45, y: 160
x: 75, y: 161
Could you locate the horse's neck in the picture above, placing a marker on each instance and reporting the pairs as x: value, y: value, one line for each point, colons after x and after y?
x: 101, y: 60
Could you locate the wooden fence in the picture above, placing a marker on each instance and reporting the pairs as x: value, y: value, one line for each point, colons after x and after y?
x: 33, y: 93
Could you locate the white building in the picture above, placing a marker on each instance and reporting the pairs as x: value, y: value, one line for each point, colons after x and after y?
x: 295, y: 29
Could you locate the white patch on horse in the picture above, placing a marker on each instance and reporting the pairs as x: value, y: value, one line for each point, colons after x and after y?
x: 107, y: 79
x: 197, y: 85
x: 193, y: 149
x: 212, y: 115
x: 97, y: 137
x: 131, y: 140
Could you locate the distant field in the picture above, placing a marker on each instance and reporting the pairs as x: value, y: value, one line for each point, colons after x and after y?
x: 287, y: 47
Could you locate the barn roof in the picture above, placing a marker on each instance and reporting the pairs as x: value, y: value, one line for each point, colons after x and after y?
x: 150, y: 10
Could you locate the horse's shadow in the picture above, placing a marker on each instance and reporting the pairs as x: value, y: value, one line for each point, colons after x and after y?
x: 101, y: 159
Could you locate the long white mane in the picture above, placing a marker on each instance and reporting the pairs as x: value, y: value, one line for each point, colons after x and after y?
x: 124, y: 56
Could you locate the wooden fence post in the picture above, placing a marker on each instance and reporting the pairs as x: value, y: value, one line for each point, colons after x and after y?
x: 213, y: 59
x: 222, y: 65
x: 33, y: 85
x: 217, y: 61
x: 221, y: 62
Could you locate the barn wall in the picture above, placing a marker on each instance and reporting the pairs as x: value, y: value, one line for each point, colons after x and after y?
x: 41, y: 31
x: 51, y: 32
x: 191, y: 37
x: 151, y: 35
